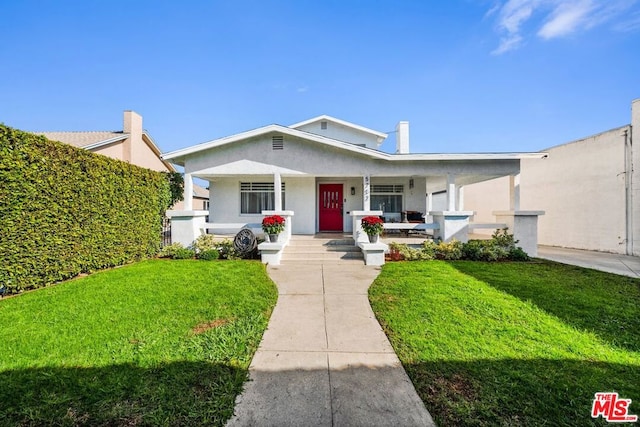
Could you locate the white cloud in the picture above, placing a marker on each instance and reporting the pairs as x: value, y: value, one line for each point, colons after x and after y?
x: 507, y: 44
x: 566, y: 18
x: 556, y: 18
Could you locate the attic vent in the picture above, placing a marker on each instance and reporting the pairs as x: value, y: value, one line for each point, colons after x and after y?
x: 277, y: 142
x: 387, y: 188
x: 323, y: 125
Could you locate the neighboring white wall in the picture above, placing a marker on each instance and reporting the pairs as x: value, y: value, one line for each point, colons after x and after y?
x: 486, y: 197
x: 634, y: 133
x: 580, y: 186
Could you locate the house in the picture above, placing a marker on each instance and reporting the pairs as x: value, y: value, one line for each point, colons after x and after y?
x: 132, y: 144
x: 325, y: 174
x: 589, y: 189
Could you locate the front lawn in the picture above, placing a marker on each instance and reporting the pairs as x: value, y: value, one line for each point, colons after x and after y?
x: 154, y: 343
x: 512, y: 343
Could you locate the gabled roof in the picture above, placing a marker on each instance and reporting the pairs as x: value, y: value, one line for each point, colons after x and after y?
x: 88, y: 140
x: 92, y: 140
x: 326, y: 118
x: 178, y: 156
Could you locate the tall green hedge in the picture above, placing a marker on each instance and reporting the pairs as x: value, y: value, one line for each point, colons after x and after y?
x: 65, y: 211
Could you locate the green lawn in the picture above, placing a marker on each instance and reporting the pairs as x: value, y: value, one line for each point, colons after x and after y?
x: 154, y: 343
x: 512, y: 343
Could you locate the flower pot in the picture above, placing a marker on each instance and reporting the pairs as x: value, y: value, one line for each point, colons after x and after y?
x: 373, y: 238
x: 273, y: 238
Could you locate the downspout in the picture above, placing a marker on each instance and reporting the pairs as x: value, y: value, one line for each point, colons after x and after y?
x: 628, y: 193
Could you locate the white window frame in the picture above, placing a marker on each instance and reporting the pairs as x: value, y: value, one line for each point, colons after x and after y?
x: 260, y: 187
x: 387, y: 190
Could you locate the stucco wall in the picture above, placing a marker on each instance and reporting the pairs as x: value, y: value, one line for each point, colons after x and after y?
x: 316, y: 159
x: 580, y: 186
x: 342, y: 133
x: 299, y: 197
x: 112, y: 150
x: 143, y: 155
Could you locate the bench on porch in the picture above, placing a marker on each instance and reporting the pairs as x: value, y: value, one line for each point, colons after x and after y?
x: 406, y: 227
x: 231, y: 228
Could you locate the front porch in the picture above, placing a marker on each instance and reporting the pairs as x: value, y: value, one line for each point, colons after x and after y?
x: 338, y: 204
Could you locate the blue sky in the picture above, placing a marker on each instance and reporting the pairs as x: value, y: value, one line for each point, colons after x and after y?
x: 469, y: 75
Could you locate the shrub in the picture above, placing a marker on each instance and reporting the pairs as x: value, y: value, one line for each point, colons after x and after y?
x: 503, y: 238
x: 227, y: 251
x: 170, y: 250
x: 474, y: 250
x: 518, y: 254
x: 449, y: 251
x: 184, y: 253
x: 208, y: 255
x: 501, y: 247
x: 400, y: 252
x: 203, y: 243
x: 66, y: 211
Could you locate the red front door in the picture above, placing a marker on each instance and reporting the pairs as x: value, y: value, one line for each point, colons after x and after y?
x: 330, y: 207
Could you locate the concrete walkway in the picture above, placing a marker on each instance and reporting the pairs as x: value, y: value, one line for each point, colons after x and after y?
x: 611, y: 263
x: 324, y: 359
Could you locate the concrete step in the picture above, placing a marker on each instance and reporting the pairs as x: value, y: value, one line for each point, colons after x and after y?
x: 321, y: 249
x: 290, y: 255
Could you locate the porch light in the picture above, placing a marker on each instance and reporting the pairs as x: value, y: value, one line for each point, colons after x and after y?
x: 353, y: 191
x: 410, y: 182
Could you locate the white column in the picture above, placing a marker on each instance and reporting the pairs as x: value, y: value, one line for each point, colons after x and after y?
x: 429, y: 202
x: 277, y: 191
x: 366, y: 193
x: 514, y: 192
x: 188, y: 192
x: 451, y: 192
x: 461, y: 198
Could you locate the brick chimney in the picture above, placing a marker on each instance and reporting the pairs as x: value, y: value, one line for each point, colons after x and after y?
x: 402, y: 138
x: 132, y: 124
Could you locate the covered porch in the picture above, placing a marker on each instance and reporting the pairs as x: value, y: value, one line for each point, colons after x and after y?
x: 426, y: 206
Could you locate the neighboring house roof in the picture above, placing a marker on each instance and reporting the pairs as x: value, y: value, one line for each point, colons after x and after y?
x: 85, y: 139
x: 200, y: 192
x: 178, y: 156
x: 326, y: 118
x: 92, y: 140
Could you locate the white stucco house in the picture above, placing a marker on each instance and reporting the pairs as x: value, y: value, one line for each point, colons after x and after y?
x: 329, y: 174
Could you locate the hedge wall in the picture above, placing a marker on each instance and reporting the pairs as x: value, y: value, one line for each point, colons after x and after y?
x: 65, y: 211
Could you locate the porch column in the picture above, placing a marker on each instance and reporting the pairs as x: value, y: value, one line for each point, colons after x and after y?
x: 188, y: 192
x: 277, y: 191
x: 514, y: 192
x: 366, y: 193
x: 461, y: 198
x: 451, y: 192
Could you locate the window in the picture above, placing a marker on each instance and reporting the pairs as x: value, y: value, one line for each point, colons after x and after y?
x: 256, y: 197
x: 387, y: 198
x: 323, y: 125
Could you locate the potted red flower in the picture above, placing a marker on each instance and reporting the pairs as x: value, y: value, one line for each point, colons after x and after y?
x: 273, y: 225
x: 372, y: 225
